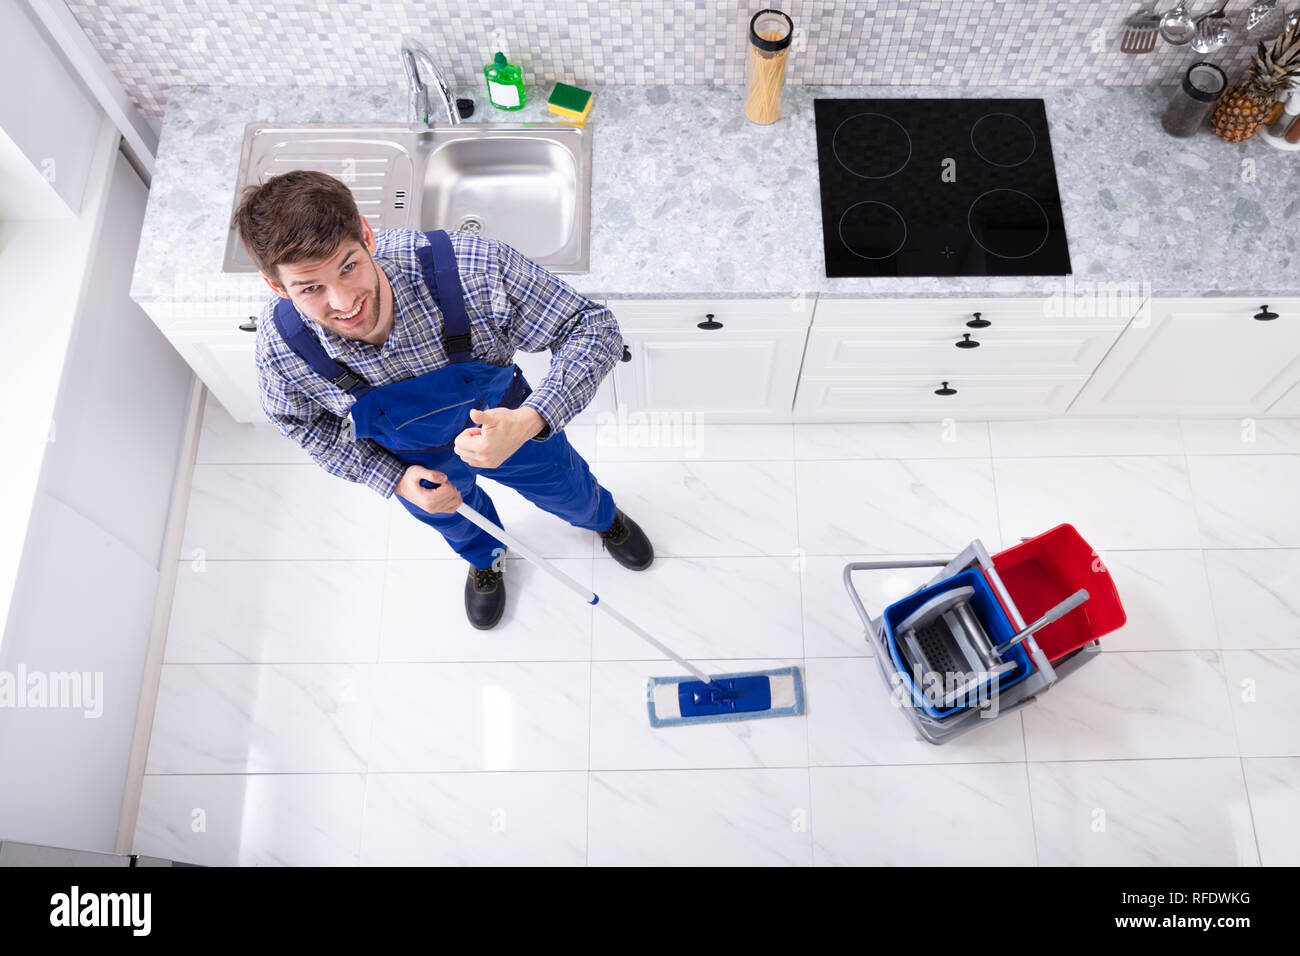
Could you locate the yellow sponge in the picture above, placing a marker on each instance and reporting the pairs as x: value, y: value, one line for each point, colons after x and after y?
x: 570, y: 102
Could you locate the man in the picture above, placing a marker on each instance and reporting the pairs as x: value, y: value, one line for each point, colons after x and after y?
x: 389, y: 359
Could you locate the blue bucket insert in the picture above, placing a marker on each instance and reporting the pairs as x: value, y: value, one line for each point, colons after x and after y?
x: 991, y: 615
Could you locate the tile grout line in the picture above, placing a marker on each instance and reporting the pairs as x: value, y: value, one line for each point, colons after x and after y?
x: 1223, y: 660
x: 1250, y: 808
x: 365, y: 793
x: 818, y: 554
x: 1029, y: 784
x: 803, y: 650
x: 370, y: 684
x: 661, y: 660
x: 1024, y: 740
x: 711, y: 769
x: 591, y: 707
x: 993, y: 480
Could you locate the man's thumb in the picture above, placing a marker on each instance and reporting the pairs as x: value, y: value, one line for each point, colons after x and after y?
x: 484, y: 416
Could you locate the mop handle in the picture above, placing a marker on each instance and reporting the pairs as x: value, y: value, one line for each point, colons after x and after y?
x: 1055, y: 613
x: 588, y: 595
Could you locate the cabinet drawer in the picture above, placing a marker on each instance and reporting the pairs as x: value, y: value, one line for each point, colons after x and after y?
x: 913, y: 398
x: 1103, y: 309
x: 681, y: 314
x: 837, y: 352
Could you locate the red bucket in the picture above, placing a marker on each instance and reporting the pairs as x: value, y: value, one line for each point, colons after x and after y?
x: 1043, y: 571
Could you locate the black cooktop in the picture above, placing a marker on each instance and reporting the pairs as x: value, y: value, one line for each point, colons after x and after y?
x: 939, y: 188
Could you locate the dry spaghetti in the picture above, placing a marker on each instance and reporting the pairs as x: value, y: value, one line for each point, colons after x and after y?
x: 766, y: 78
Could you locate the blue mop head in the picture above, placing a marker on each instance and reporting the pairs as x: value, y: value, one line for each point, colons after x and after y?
x: 685, y: 700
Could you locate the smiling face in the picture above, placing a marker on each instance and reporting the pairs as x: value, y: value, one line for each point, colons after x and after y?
x: 346, y: 292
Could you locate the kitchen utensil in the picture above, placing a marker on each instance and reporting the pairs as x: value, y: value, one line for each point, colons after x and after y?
x: 1140, y: 31
x: 1213, y: 30
x: 1202, y: 85
x: 1266, y: 16
x: 1177, y: 25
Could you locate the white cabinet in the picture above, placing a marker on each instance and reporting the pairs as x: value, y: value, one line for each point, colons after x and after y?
x: 912, y: 398
x: 921, y: 359
x: 46, y: 116
x: 224, y: 361
x: 1199, y: 357
x: 1288, y: 406
x: 765, y: 360
x: 726, y: 360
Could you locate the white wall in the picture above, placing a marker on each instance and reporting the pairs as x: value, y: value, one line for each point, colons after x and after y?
x: 88, y: 579
x: 24, y: 192
x: 44, y: 108
x: 41, y: 269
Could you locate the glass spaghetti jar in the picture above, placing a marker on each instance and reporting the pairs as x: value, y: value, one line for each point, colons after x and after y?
x: 769, y: 40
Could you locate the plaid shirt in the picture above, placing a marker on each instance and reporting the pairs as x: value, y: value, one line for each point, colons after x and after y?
x: 513, y: 304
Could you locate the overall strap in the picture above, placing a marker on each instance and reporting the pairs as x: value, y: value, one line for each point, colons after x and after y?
x: 308, y: 348
x: 438, y: 260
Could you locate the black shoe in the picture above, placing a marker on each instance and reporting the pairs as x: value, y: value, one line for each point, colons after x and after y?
x: 485, y: 596
x: 627, y: 543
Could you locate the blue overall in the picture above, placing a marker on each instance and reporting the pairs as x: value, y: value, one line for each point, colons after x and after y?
x: 419, y: 418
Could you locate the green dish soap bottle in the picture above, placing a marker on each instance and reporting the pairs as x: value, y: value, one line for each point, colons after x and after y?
x: 505, y: 84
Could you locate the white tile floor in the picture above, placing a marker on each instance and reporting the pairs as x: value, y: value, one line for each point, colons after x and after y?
x: 323, y: 700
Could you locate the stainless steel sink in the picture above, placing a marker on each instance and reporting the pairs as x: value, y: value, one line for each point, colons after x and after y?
x: 527, y: 184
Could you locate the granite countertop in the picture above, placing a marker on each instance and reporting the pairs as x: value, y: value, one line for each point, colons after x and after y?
x: 690, y: 199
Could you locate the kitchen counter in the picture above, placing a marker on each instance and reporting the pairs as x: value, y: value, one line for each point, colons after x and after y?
x: 690, y: 199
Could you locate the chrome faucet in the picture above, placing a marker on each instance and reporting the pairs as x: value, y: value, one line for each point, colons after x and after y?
x: 418, y: 106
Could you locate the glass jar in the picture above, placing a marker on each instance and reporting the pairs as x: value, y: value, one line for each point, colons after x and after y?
x: 1201, y: 88
x: 769, y: 40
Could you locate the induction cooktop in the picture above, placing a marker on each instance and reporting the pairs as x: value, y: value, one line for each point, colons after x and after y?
x: 939, y: 187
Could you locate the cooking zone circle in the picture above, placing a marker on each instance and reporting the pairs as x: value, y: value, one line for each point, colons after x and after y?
x: 1001, y: 139
x: 1007, y: 223
x: 872, y: 230
x: 872, y: 145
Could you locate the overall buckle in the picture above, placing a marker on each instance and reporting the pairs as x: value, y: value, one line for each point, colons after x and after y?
x: 457, y: 343
x: 345, y: 380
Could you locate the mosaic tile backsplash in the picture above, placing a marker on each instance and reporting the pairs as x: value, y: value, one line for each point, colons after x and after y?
x: 152, y: 45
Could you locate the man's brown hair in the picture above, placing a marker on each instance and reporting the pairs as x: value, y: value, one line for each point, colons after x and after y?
x: 299, y: 216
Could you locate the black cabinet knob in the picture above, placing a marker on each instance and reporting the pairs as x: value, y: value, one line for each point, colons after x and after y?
x: 627, y: 354
x: 1264, y: 315
x: 250, y: 325
x: 977, y: 322
x: 709, y: 323
x: 967, y: 342
x: 945, y: 390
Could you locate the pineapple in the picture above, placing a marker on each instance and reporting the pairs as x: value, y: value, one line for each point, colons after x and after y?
x: 1240, y: 114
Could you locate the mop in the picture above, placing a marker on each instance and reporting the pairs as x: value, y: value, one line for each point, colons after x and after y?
x: 672, y: 701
